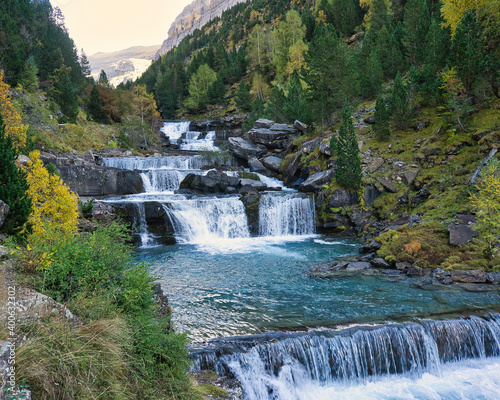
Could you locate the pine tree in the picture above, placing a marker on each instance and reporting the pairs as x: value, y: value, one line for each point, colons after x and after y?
x: 85, y: 64
x: 243, y: 100
x: 103, y: 79
x: 95, y: 105
x: 296, y: 105
x: 395, y: 59
x: 467, y: 50
x: 65, y: 96
x: 29, y: 76
x: 378, y: 15
x: 274, y: 106
x: 346, y: 15
x: 13, y: 186
x: 216, y: 91
x: 348, y: 172
x: 399, y: 102
x: 416, y: 25
x: 381, y: 126
x: 382, y: 48
x: 371, y: 76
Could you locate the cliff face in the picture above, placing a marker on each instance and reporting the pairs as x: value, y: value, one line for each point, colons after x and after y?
x: 194, y: 16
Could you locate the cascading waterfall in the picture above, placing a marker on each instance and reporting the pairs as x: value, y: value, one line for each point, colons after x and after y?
x: 165, y: 180
x: 146, y: 163
x: 174, y: 130
x: 206, y: 219
x: 289, y: 368
x: 141, y: 226
x: 285, y: 215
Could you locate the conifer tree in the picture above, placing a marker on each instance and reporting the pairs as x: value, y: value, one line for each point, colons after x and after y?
x: 348, y: 172
x: 416, y: 26
x: 274, y: 106
x: 395, y: 60
x: 382, y: 48
x: 296, y: 105
x: 29, y: 76
x: 399, y: 102
x: 346, y: 15
x: 13, y: 185
x: 64, y: 94
x: 381, y: 126
x: 103, y: 79
x: 243, y: 100
x: 95, y: 105
x: 371, y: 76
x: 467, y: 50
x: 85, y: 64
x: 216, y: 91
x: 378, y: 15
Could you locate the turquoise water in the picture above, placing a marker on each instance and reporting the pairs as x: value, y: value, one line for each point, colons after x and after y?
x: 251, y: 285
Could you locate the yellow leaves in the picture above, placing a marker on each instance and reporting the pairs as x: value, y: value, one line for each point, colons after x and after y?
x: 453, y: 11
x: 54, y: 204
x: 145, y: 103
x: 13, y: 122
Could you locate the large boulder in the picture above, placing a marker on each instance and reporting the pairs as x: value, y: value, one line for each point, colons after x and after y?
x: 94, y: 180
x: 257, y: 185
x: 212, y: 182
x: 271, y: 138
x: 343, y: 198
x: 272, y: 162
x: 292, y: 167
x: 251, y: 202
x: 309, y: 146
x: 315, y: 182
x: 460, y: 233
x: 244, y: 149
x: 469, y: 276
x: 256, y: 166
x: 263, y: 123
x: 4, y: 211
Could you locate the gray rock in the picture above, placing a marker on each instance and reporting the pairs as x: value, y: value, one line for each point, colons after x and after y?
x: 271, y: 138
x: 89, y: 157
x: 369, y: 120
x: 413, y: 271
x: 308, y: 147
x: 281, y: 128
x: 409, y: 177
x: 403, y: 266
x: 343, y: 198
x: 403, y: 199
x: 272, y: 162
x: 387, y: 185
x: 371, y: 194
x: 257, y: 185
x: 256, y: 166
x: 263, y: 123
x: 324, y: 147
x: 316, y: 181
x: 469, y: 276
x: 300, y: 126
x: 4, y: 211
x: 248, y: 190
x: 415, y: 220
x: 378, y: 262
x: 493, y: 277
x: 292, y: 167
x: 375, y: 164
x: 242, y: 148
x: 358, y: 266
x: 460, y: 234
x: 370, y: 247
x: 93, y: 180
x: 212, y: 182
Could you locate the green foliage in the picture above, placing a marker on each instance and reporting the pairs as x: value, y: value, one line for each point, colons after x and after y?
x: 64, y: 94
x: 296, y: 105
x: 416, y: 26
x: 13, y: 186
x: 198, y: 87
x: 216, y: 91
x: 348, y: 172
x: 95, y: 106
x: 399, y: 104
x: 467, y: 49
x: 486, y: 203
x: 29, y: 75
x: 381, y: 126
x: 243, y: 100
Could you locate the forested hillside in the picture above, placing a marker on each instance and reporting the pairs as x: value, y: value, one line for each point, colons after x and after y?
x: 285, y: 59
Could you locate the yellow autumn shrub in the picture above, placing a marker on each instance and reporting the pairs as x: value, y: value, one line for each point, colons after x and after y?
x: 54, y: 204
x: 13, y: 122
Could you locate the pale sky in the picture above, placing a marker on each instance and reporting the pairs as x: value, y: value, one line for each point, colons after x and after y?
x: 111, y: 25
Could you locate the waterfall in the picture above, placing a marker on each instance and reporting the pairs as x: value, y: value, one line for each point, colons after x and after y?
x: 145, y: 163
x: 206, y: 219
x: 286, y: 215
x: 165, y: 180
x: 194, y: 143
x: 141, y: 226
x: 174, y: 130
x: 288, y: 368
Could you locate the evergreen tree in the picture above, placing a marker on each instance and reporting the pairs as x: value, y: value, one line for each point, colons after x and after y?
x: 243, y: 100
x: 346, y: 15
x: 491, y: 66
x: 416, y: 26
x: 467, y: 50
x: 85, y: 64
x: 348, y: 172
x: 216, y: 91
x: 378, y: 15
x: 382, y: 48
x: 103, y: 79
x: 399, y: 102
x: 274, y: 106
x: 381, y: 126
x: 13, y: 186
x: 95, y: 105
x: 29, y: 76
x: 395, y: 59
x: 65, y: 96
x: 437, y: 44
x: 371, y: 76
x: 296, y: 105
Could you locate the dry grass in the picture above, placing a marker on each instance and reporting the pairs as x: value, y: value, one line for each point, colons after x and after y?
x: 89, y: 362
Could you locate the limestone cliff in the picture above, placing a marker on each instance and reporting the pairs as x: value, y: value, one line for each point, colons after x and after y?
x: 194, y: 16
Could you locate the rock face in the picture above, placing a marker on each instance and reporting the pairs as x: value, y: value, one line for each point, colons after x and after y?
x: 317, y: 180
x: 194, y: 16
x: 212, y: 182
x: 93, y: 180
x: 4, y: 211
x: 244, y: 149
